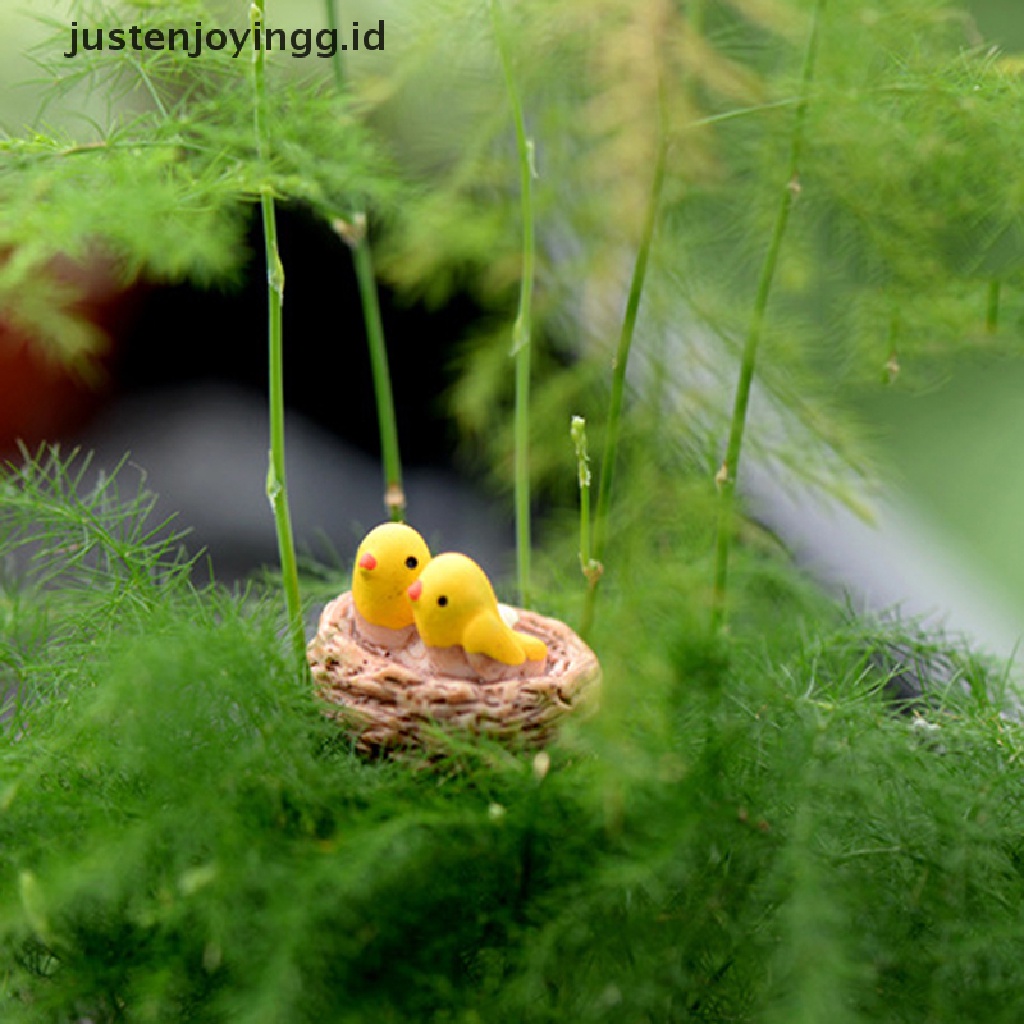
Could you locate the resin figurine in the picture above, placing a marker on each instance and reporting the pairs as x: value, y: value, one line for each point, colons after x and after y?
x: 454, y: 606
x: 390, y: 558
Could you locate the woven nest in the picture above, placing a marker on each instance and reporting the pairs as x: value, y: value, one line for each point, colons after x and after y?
x: 393, y: 699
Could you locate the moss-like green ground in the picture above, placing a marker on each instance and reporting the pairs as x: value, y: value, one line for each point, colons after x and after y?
x: 746, y: 831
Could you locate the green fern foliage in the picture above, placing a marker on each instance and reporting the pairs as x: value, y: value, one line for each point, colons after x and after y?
x: 757, y: 826
x: 746, y: 833
x: 164, y: 185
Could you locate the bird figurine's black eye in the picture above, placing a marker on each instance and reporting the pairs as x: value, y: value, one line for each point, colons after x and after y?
x: 411, y: 562
x: 442, y: 601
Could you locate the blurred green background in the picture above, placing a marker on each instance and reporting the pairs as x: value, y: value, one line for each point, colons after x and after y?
x: 955, y: 449
x: 1000, y: 21
x: 948, y: 434
x: 951, y: 435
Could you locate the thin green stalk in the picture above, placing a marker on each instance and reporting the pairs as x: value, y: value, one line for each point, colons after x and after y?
x: 726, y: 477
x: 394, y: 493
x: 521, y: 328
x: 590, y: 567
x: 522, y: 474
x: 337, y: 61
x: 695, y: 11
x: 353, y: 231
x: 626, y: 334
x: 277, y: 488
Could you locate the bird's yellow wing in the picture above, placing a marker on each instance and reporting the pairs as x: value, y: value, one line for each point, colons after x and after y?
x: 485, y: 633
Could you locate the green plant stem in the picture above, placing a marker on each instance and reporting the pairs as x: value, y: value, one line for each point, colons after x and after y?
x: 277, y: 488
x: 626, y: 334
x: 592, y: 569
x: 727, y: 474
x: 586, y: 559
x: 695, y: 11
x: 578, y: 433
x: 353, y: 231
x: 394, y: 494
x: 521, y: 329
x: 337, y: 61
x: 522, y: 475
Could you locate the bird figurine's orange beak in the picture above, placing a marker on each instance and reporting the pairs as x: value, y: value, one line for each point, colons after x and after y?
x: 414, y: 591
x: 367, y: 561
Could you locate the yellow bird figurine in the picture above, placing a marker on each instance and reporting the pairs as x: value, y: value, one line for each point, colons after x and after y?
x: 388, y: 560
x: 454, y: 605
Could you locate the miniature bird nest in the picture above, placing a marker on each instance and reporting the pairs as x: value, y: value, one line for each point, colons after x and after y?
x: 395, y: 699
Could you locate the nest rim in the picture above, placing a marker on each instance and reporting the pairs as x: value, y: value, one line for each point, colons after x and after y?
x: 390, y: 700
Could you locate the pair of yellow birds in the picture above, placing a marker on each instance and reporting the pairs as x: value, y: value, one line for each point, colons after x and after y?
x: 396, y: 582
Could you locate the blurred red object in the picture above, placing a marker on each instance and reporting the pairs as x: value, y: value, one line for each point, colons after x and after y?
x: 42, y: 399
